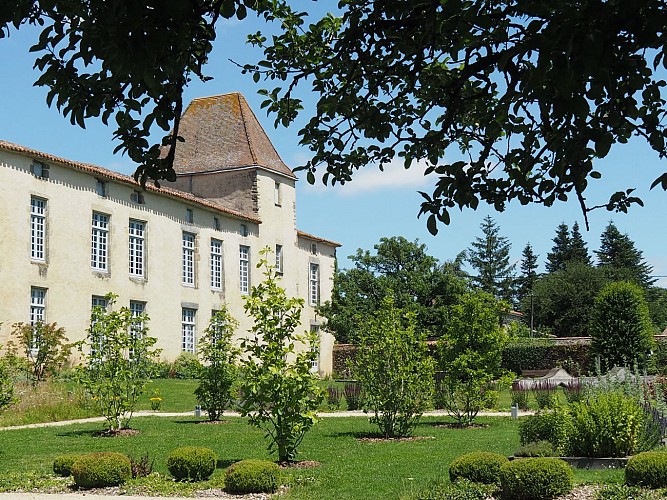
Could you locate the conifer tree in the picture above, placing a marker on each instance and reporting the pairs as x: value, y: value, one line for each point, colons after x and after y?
x: 528, y: 271
x: 558, y: 256
x: 621, y: 259
x: 489, y: 256
x: 578, y: 251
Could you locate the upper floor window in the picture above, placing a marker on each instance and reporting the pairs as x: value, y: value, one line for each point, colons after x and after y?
x: 279, y: 259
x: 137, y: 248
x: 216, y: 264
x: 277, y: 194
x: 138, y: 197
x: 99, y: 255
x: 39, y: 169
x: 101, y: 188
x: 243, y: 230
x: 216, y: 223
x: 314, y: 285
x: 313, y: 248
x: 37, y: 228
x: 244, y: 268
x: 188, y: 259
x: 189, y: 216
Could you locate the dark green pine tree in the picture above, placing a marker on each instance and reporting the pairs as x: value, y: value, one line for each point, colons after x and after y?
x: 489, y: 256
x: 578, y: 251
x: 528, y: 276
x: 621, y: 259
x: 559, y: 255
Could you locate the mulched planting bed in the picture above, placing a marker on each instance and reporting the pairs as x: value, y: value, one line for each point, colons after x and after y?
x: 391, y: 440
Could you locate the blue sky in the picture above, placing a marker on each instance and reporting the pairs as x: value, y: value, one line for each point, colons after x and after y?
x: 374, y: 204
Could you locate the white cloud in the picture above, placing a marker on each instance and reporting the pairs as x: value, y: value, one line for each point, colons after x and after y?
x: 371, y: 179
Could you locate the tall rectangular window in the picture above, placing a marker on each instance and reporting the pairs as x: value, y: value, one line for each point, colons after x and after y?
x: 137, y: 248
x: 37, y: 229
x: 137, y: 308
x: 277, y: 195
x: 244, y: 268
x: 188, y: 330
x: 216, y: 264
x: 279, y: 259
x: 99, y: 255
x: 314, y: 285
x: 37, y: 305
x: 97, y: 338
x: 188, y: 259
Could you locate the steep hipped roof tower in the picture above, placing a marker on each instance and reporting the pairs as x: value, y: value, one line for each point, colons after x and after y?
x: 222, y: 133
x: 225, y: 150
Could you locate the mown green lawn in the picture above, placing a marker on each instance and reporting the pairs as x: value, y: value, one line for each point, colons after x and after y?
x: 350, y: 468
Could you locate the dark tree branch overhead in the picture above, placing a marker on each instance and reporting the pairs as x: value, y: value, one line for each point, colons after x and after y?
x: 533, y: 92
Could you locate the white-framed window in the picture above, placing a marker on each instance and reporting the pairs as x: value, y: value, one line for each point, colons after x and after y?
x: 37, y: 305
x: 99, y: 254
x: 314, y: 285
x: 188, y: 329
x: 277, y: 195
x: 137, y: 248
x: 244, y: 268
x: 37, y: 228
x: 315, y: 363
x: 188, y: 259
x: 279, y: 259
x: 137, y: 308
x: 216, y: 264
x: 97, y: 342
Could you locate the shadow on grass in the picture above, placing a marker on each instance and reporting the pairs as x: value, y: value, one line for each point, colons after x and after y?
x: 223, y: 464
x: 80, y: 433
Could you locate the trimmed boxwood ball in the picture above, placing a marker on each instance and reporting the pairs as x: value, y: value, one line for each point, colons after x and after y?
x: 97, y: 470
x: 477, y: 467
x: 535, y: 479
x: 252, y: 476
x: 62, y: 464
x: 191, y: 463
x: 647, y: 469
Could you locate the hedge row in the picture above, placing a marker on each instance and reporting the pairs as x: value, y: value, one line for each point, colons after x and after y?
x: 528, y: 354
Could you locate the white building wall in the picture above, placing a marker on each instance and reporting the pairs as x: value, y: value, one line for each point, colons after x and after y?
x: 70, y: 282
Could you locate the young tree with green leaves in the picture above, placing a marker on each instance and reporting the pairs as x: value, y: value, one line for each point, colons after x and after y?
x: 471, y: 354
x: 621, y: 328
x: 119, y: 357
x: 280, y: 394
x: 394, y: 368
x: 489, y: 256
x: 44, y: 347
x: 219, y: 372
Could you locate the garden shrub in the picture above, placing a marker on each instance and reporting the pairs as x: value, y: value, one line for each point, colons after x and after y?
x: 98, y: 470
x: 624, y: 492
x: 142, y: 466
x: 535, y: 478
x: 62, y: 464
x: 519, y: 393
x: 186, y: 365
x: 554, y: 426
x: 477, y: 467
x: 536, y: 449
x: 545, y: 393
x: 191, y: 463
x: 574, y: 390
x: 252, y: 476
x: 607, y: 424
x: 647, y: 469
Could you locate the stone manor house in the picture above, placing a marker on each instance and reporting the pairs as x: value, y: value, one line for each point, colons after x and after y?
x: 72, y: 232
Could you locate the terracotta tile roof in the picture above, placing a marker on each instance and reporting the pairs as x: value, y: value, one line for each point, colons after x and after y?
x: 115, y: 176
x: 302, y: 234
x: 221, y: 133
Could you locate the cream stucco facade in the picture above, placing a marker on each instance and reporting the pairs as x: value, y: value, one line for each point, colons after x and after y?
x: 71, y: 233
